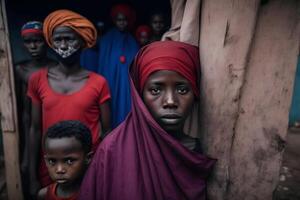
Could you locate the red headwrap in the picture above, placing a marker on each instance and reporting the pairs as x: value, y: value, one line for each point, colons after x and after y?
x: 125, y: 10
x: 143, y: 29
x: 73, y: 20
x: 167, y: 55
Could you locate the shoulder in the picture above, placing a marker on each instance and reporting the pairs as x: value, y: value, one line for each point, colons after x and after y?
x: 21, y: 66
x: 37, y: 75
x: 110, y: 142
x: 97, y: 78
x: 42, y: 193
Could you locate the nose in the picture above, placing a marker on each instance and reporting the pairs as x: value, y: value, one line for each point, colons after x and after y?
x: 170, y: 100
x: 32, y: 45
x: 63, y: 45
x: 60, y: 169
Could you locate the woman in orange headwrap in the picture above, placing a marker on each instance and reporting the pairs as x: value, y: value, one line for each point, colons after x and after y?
x: 66, y: 91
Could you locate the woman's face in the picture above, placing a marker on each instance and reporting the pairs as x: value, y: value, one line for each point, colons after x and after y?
x: 121, y: 22
x: 35, y: 44
x: 66, y: 41
x: 169, y: 98
x: 157, y: 24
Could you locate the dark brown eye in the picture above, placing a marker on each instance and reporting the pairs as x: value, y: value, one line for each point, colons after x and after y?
x: 182, y: 89
x: 155, y: 91
x: 69, y: 161
x: 51, y: 161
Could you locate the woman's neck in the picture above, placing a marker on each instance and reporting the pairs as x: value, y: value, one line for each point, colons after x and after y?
x: 70, y: 68
x: 39, y: 61
x: 178, y: 135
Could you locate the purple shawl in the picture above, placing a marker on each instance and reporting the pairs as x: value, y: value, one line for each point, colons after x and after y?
x: 140, y: 161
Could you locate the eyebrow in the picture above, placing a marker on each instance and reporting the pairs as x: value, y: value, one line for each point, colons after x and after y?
x: 161, y: 82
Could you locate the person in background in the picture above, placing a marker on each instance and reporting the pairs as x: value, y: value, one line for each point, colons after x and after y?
x: 36, y: 46
x: 143, y: 35
x: 117, y: 49
x: 158, y: 26
x: 65, y: 91
x: 67, y: 152
x: 149, y: 156
x: 89, y: 57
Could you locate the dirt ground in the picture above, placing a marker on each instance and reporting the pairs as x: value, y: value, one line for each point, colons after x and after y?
x: 289, y: 185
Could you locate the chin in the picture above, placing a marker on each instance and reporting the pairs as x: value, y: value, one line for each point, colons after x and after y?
x: 172, y: 128
x: 36, y: 57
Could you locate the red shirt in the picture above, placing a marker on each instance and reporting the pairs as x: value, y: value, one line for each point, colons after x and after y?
x: 82, y: 105
x: 51, y: 194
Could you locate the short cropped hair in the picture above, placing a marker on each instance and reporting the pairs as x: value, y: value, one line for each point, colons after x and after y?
x: 71, y: 128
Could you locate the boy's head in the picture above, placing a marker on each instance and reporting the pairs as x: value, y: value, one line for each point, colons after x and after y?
x: 33, y: 39
x: 158, y: 23
x: 67, y: 151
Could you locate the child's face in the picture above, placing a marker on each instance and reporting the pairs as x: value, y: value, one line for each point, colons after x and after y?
x: 143, y: 38
x: 121, y: 22
x: 35, y: 44
x: 157, y: 24
x: 169, y: 98
x: 65, y: 159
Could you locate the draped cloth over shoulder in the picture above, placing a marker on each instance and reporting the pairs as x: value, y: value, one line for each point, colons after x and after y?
x: 68, y: 18
x: 139, y: 160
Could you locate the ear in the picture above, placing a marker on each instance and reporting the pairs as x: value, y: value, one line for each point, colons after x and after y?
x: 88, y: 157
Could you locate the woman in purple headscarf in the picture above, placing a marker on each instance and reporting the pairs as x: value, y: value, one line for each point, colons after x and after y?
x: 149, y: 156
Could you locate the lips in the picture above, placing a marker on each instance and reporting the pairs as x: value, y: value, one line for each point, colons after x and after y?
x: 171, y: 118
x: 61, y: 181
x: 34, y: 53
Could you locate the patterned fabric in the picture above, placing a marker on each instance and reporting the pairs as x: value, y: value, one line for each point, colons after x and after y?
x: 32, y: 27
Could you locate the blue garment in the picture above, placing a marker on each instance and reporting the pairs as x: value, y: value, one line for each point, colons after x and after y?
x: 89, y: 59
x: 113, y: 45
x: 295, y: 106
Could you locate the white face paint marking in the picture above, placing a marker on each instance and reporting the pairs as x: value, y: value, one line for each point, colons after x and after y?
x: 66, y: 53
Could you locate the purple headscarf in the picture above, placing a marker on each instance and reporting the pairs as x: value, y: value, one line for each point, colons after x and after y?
x: 139, y: 160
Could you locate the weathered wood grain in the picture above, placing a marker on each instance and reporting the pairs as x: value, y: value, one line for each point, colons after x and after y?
x: 227, y: 29
x: 9, y: 113
x: 261, y: 127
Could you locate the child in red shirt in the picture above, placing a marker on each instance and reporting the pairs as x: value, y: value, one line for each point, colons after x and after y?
x: 67, y: 146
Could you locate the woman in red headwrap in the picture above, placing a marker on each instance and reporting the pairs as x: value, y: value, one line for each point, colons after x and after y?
x: 149, y: 156
x: 65, y: 91
x: 143, y: 35
x: 117, y: 49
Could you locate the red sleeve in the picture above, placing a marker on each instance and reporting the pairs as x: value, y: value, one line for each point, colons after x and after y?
x: 104, y: 92
x: 33, y: 88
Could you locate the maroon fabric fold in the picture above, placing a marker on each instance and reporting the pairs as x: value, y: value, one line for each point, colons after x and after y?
x: 139, y: 160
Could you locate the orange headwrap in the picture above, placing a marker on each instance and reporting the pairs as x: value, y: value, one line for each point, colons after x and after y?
x: 73, y: 20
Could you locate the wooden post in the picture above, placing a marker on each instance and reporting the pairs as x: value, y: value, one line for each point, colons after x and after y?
x: 248, y: 54
x: 227, y: 29
x: 261, y: 126
x: 9, y: 113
